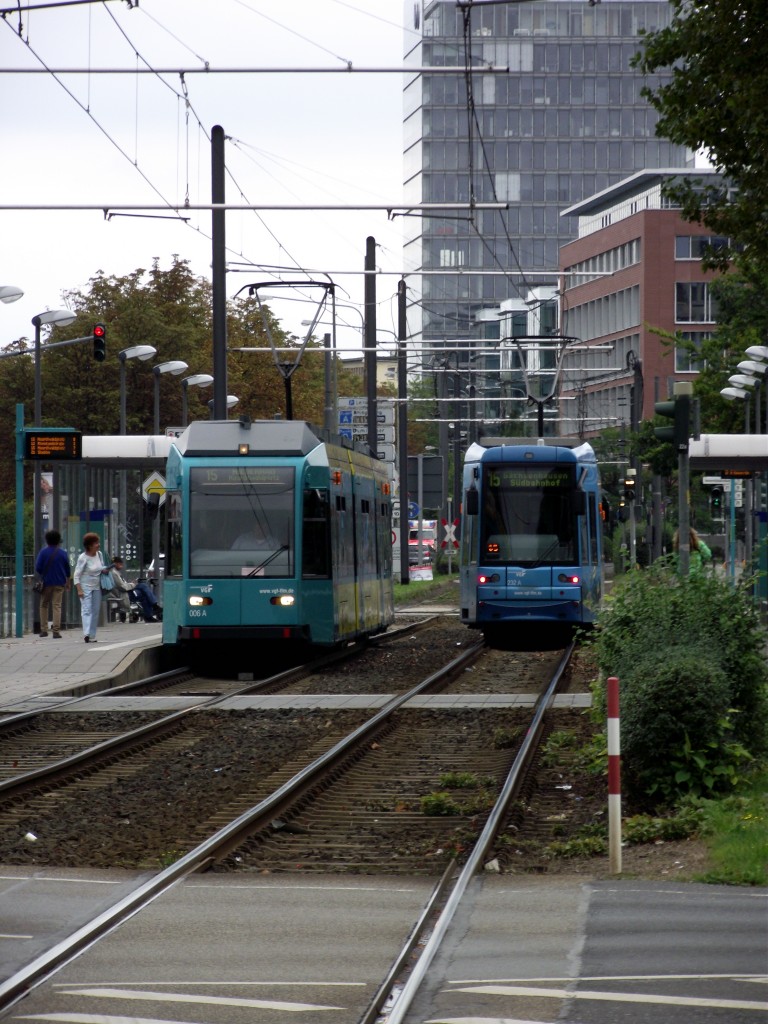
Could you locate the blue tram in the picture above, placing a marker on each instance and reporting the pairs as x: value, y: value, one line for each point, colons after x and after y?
x: 531, y: 546
x: 274, y: 534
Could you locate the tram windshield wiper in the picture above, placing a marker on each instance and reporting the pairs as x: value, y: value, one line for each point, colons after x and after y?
x: 545, y: 554
x: 262, y: 565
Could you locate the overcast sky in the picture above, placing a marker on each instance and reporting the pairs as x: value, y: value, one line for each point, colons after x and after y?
x: 125, y: 139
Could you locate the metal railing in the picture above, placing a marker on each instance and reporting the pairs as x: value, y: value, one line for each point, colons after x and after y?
x: 8, y: 604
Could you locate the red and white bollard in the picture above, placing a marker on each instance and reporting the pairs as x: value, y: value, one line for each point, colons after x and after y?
x: 614, y: 778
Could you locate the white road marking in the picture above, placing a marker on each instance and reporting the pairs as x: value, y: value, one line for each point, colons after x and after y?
x: 481, y: 1020
x: 212, y: 984
x: 291, y: 888
x: 153, y: 638
x: 179, y: 997
x: 761, y: 978
x: 54, y: 878
x: 96, y: 1018
x: 612, y: 997
x: 9, y: 935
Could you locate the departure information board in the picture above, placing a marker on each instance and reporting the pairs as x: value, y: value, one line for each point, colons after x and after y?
x: 52, y: 445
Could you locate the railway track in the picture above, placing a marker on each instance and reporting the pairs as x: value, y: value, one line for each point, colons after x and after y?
x: 280, y: 815
x: 47, y: 743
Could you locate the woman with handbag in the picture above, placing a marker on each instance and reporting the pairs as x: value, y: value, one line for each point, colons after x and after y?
x: 52, y: 566
x: 90, y: 576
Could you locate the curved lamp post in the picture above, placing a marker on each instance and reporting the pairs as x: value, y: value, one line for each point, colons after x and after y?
x: 174, y: 366
x: 10, y: 293
x: 197, y: 380
x: 232, y: 400
x: 142, y: 352
x: 50, y: 318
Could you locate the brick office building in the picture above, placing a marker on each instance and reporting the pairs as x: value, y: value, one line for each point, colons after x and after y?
x: 635, y: 266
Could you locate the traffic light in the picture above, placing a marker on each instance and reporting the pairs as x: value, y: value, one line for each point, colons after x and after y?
x: 716, y: 500
x: 629, y: 488
x: 99, y: 343
x: 678, y: 410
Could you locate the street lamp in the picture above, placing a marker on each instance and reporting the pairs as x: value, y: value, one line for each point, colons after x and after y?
x: 197, y: 380
x: 10, y: 293
x: 174, y: 366
x: 50, y: 318
x: 232, y: 400
x: 142, y: 352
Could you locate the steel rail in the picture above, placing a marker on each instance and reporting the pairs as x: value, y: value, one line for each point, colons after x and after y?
x: 22, y: 982
x: 403, y: 1000
x: 21, y: 716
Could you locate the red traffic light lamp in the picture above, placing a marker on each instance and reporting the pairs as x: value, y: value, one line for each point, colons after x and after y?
x: 99, y: 343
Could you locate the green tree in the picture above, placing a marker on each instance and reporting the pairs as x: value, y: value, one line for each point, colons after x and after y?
x: 171, y: 310
x: 717, y: 54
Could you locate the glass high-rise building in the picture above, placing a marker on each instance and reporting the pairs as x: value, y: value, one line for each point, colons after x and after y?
x: 565, y: 122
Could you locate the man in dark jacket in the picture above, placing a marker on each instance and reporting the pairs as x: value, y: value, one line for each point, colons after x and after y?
x: 52, y: 566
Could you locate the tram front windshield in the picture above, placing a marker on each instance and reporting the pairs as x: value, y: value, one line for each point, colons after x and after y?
x: 241, y: 521
x: 528, y: 515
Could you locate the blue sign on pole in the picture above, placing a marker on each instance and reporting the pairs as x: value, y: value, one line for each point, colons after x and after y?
x: 413, y: 510
x: 345, y: 417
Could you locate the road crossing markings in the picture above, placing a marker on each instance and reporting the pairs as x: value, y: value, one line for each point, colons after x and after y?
x: 180, y: 997
x: 611, y: 997
x: 97, y: 1018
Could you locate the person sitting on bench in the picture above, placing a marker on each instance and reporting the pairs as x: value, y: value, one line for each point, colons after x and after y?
x: 140, y: 591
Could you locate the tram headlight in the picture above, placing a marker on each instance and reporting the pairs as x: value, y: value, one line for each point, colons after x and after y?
x: 198, y: 600
x: 573, y: 580
x: 284, y: 600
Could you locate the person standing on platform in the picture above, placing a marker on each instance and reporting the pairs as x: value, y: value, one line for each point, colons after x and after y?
x: 90, y: 566
x: 52, y: 566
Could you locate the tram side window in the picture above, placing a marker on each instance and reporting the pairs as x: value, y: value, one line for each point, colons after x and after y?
x: 316, y: 547
x: 173, y: 521
x: 594, y: 526
x: 468, y: 538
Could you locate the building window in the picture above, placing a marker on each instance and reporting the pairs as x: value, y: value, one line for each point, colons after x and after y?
x: 694, y: 303
x: 693, y: 247
x: 687, y: 361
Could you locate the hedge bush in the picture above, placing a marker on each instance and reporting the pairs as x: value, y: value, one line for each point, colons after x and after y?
x: 690, y: 657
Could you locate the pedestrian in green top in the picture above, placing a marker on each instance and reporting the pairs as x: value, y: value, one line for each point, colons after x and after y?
x: 700, y: 553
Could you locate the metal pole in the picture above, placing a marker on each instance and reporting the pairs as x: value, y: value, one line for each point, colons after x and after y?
x: 369, y: 335
x: 443, y: 441
x: 219, y: 276
x: 20, y: 520
x: 614, y: 777
x: 657, y: 520
x: 329, y: 424
x: 402, y: 427
x: 157, y: 401
x: 122, y: 512
x: 37, y: 489
x: 183, y: 403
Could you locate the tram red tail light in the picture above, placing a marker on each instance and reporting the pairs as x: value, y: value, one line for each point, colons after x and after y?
x: 564, y: 578
x: 488, y: 579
